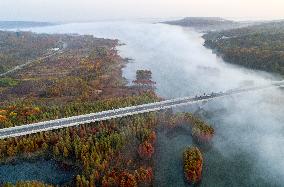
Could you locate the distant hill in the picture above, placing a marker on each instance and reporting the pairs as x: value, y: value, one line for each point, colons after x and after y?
x: 272, y: 27
x: 22, y: 24
x: 206, y: 23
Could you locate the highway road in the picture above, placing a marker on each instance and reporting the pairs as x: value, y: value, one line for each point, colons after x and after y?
x: 46, y: 56
x: 118, y: 113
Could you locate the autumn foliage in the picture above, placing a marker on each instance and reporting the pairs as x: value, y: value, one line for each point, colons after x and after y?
x: 144, y: 79
x: 100, y: 150
x: 85, y: 78
x: 202, y: 133
x: 146, y: 150
x: 193, y: 163
x: 144, y: 175
x: 200, y: 130
x: 255, y: 47
x: 127, y: 180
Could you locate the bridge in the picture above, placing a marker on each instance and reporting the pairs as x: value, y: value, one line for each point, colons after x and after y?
x: 122, y: 112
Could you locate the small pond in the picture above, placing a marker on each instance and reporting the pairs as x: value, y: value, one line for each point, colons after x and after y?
x: 48, y: 171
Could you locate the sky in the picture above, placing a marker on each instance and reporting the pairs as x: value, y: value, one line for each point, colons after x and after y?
x: 91, y: 10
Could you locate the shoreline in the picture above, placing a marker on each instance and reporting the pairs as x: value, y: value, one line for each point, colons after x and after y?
x: 278, y: 76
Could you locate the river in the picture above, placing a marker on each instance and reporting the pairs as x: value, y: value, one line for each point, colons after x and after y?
x: 247, y: 149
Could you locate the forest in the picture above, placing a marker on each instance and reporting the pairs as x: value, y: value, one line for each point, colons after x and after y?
x: 258, y: 47
x: 85, y: 78
x: 19, y: 47
x: 111, y: 153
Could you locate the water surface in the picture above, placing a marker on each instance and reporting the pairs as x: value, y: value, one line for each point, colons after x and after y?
x: 47, y: 171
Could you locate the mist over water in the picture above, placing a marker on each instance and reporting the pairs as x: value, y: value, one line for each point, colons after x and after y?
x: 247, y: 149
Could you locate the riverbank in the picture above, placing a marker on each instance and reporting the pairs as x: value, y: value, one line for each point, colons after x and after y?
x: 257, y: 47
x: 86, y: 78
